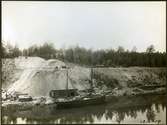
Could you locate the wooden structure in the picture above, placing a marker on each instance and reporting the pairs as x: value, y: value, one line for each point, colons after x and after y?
x: 63, y: 93
x: 24, y: 98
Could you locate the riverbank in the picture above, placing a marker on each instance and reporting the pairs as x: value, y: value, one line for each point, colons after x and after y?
x: 127, y: 105
x: 117, y: 101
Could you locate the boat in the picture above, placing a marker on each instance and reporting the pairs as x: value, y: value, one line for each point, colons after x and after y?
x: 80, y: 102
x: 69, y: 98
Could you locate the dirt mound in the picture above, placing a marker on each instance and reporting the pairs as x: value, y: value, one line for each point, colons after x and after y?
x: 54, y: 63
x: 39, y: 76
x: 29, y: 62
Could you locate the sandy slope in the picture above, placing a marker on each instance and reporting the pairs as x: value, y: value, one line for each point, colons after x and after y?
x: 39, y: 76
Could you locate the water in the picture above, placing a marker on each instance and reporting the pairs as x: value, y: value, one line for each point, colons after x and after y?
x: 150, y: 112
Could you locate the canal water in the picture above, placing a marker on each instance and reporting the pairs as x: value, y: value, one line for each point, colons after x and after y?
x: 154, y: 111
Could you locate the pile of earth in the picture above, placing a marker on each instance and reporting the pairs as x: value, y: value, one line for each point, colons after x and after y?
x: 38, y: 76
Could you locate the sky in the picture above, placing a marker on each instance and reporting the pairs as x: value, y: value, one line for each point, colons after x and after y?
x: 96, y: 25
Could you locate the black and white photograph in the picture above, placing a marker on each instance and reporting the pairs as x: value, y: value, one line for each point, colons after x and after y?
x: 83, y: 62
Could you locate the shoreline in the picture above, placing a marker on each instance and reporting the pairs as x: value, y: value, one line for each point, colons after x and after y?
x: 117, y: 101
x: 138, y: 104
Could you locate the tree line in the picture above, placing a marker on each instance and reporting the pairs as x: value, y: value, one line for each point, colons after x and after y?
x: 89, y: 57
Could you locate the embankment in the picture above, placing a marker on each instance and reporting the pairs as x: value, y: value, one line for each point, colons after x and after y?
x: 132, y: 79
x: 37, y: 76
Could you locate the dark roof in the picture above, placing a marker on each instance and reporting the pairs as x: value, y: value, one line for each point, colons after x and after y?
x: 65, y: 90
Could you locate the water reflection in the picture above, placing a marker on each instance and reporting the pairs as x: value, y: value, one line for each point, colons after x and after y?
x: 92, y: 114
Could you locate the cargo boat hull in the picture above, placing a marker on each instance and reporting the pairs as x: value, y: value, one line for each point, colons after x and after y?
x: 81, y: 102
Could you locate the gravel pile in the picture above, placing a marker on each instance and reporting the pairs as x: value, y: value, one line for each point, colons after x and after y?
x: 40, y: 76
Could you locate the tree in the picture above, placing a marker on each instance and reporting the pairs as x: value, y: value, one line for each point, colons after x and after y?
x: 3, y: 51
x: 89, y: 57
x: 150, y: 49
x: 8, y: 51
x: 69, y: 55
x: 16, y: 51
x: 25, y: 52
x: 46, y: 51
x: 120, y: 49
x: 134, y: 49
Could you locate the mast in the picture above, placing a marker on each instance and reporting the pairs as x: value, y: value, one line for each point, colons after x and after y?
x: 91, y: 79
x: 67, y: 83
x: 67, y: 80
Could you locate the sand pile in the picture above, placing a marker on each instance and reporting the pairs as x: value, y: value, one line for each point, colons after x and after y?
x: 54, y: 63
x: 40, y: 76
x: 29, y: 62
